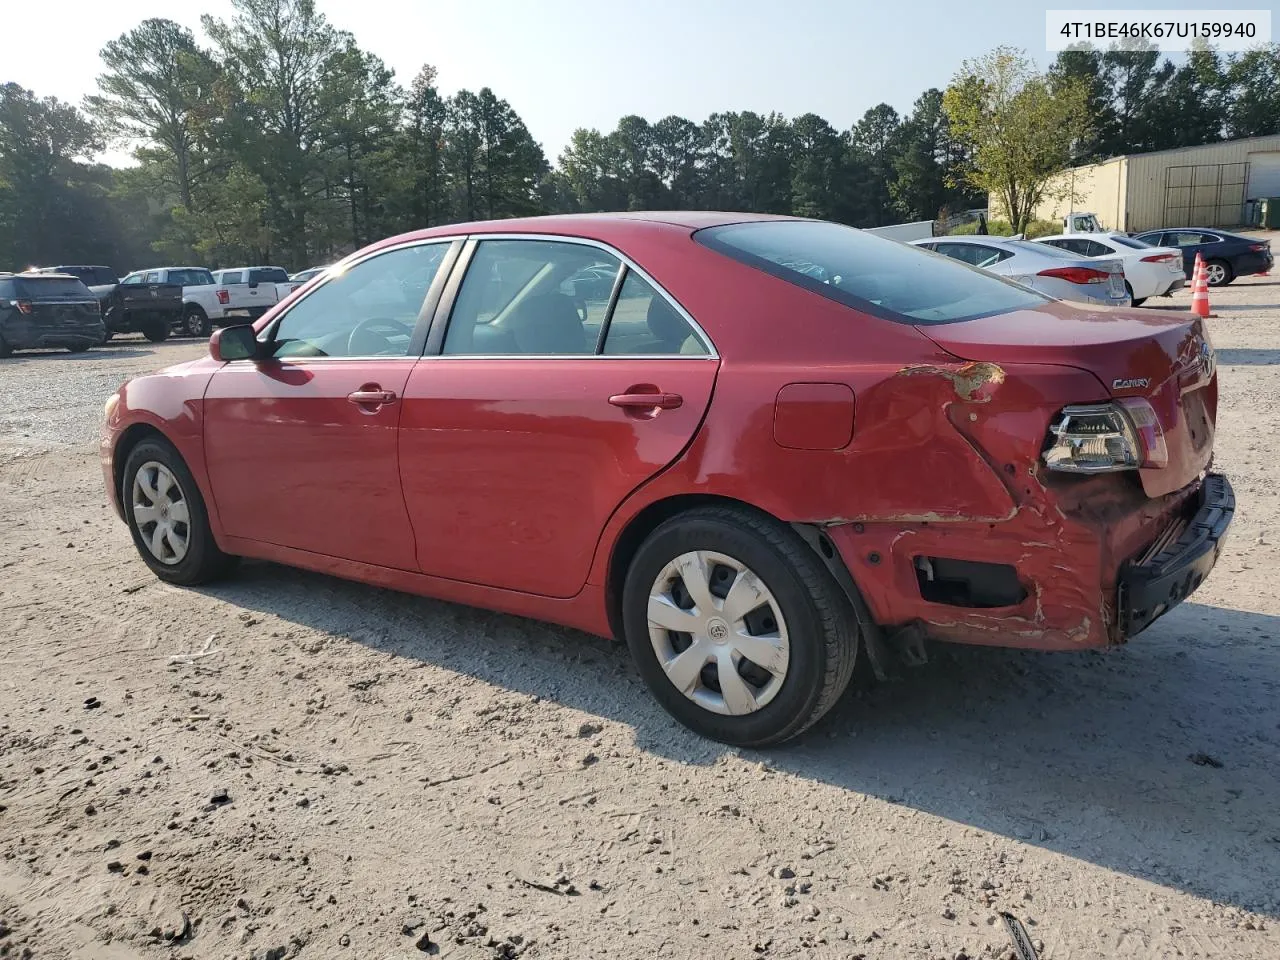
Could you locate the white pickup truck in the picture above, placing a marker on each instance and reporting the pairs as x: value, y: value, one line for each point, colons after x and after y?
x: 252, y: 291
x: 203, y: 304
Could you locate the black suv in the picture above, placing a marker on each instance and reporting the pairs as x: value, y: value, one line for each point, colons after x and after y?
x: 48, y: 310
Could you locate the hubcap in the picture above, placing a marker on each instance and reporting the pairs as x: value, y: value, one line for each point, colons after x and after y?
x: 718, y: 633
x: 160, y: 511
x: 1215, y: 273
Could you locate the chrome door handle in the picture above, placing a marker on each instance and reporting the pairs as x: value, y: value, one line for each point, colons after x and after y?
x: 372, y: 396
x: 648, y: 401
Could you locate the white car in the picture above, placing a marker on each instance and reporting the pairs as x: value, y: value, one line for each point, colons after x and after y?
x: 1148, y: 271
x: 1055, y: 273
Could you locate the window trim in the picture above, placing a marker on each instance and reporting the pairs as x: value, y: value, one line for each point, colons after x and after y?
x: 444, y: 309
x: 417, y: 338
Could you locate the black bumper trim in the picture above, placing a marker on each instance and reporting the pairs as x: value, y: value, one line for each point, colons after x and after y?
x: 1151, y: 588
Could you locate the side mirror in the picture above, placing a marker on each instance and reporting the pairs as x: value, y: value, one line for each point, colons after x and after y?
x: 234, y: 343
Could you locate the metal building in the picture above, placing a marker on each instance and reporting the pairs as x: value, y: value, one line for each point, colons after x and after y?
x: 1207, y: 186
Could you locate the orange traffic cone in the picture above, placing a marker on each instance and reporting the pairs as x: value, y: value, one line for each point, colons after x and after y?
x: 1200, y: 289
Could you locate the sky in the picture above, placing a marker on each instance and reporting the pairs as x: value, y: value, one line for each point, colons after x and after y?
x: 564, y: 64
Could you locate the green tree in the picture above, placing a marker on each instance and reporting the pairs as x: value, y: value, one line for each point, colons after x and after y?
x: 679, y: 162
x: 156, y: 88
x: 1081, y: 67
x: 423, y: 151
x: 817, y: 168
x: 874, y: 148
x: 1253, y: 80
x: 1019, y: 130
x: 45, y: 188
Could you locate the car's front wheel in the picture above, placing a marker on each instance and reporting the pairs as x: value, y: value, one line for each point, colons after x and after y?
x: 167, y: 517
x: 156, y: 331
x: 737, y: 627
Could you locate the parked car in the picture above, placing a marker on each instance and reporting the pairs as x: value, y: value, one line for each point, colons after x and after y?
x: 48, y: 310
x: 152, y: 309
x: 1148, y: 271
x: 1057, y: 273
x: 1226, y: 255
x: 687, y: 472
x: 204, y: 303
x: 303, y: 276
x: 252, y: 291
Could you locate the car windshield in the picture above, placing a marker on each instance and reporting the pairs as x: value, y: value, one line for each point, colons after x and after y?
x: 49, y: 288
x: 1133, y: 242
x: 879, y: 276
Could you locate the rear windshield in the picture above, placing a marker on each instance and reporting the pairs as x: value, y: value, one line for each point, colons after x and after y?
x: 883, y: 277
x: 49, y: 288
x: 1133, y: 242
x: 190, y: 278
x: 268, y: 275
x: 1048, y: 249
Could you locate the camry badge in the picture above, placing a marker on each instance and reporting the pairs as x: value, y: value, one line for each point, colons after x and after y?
x: 1131, y: 383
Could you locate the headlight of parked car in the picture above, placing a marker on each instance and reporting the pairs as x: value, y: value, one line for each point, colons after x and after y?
x: 1101, y: 437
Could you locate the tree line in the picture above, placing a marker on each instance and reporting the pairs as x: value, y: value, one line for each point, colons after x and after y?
x: 282, y: 141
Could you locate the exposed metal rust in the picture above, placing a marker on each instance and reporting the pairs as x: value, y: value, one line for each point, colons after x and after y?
x: 972, y: 382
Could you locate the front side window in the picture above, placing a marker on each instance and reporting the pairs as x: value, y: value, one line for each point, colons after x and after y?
x: 367, y: 310
x: 131, y: 280
x: 531, y: 298
x: 152, y: 277
x: 875, y: 275
x: 645, y: 323
x: 231, y: 276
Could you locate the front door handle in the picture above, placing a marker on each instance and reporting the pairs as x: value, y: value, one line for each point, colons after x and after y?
x: 647, y: 401
x: 371, y: 395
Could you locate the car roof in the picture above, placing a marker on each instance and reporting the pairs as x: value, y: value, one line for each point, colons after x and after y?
x: 605, y: 227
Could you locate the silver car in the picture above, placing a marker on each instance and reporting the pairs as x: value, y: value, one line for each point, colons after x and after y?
x: 1053, y: 272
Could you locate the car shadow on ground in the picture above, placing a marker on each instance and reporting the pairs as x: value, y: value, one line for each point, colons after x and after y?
x: 1160, y: 759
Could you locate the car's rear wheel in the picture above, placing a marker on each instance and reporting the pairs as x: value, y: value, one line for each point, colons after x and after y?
x: 736, y: 627
x: 1133, y: 301
x: 167, y: 517
x: 156, y: 331
x: 1218, y: 272
x: 195, y: 322
x: 5, y: 349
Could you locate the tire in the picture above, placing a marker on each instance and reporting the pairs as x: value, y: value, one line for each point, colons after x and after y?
x: 5, y: 349
x: 201, y: 561
x: 1223, y: 278
x: 157, y: 331
x: 195, y: 322
x: 1134, y: 301
x: 821, y: 639
x: 82, y: 348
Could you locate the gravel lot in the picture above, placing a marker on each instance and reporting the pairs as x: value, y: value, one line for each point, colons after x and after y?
x: 289, y: 765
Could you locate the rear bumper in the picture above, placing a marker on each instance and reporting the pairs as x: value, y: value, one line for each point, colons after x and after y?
x: 1178, y: 562
x: 26, y: 335
x: 1084, y: 564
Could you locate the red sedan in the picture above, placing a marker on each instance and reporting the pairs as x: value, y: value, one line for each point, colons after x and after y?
x: 752, y: 447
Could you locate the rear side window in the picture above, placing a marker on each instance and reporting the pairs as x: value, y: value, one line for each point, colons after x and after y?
x: 645, y: 323
x: 873, y: 274
x: 49, y: 288
x: 1131, y: 242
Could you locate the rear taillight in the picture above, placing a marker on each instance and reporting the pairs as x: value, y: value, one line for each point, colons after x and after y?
x: 1159, y: 258
x: 224, y: 297
x: 1104, y: 437
x: 1259, y: 247
x: 1077, y: 274
x: 24, y: 306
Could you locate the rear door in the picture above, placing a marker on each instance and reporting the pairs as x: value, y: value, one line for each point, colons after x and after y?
x: 539, y: 408
x: 301, y: 447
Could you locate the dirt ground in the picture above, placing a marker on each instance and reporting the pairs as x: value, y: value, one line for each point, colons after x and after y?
x: 290, y: 765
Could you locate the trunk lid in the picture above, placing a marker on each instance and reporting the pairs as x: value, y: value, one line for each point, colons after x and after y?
x: 1165, y: 358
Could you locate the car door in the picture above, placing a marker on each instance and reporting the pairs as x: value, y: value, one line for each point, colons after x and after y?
x: 301, y: 446
x: 532, y: 417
